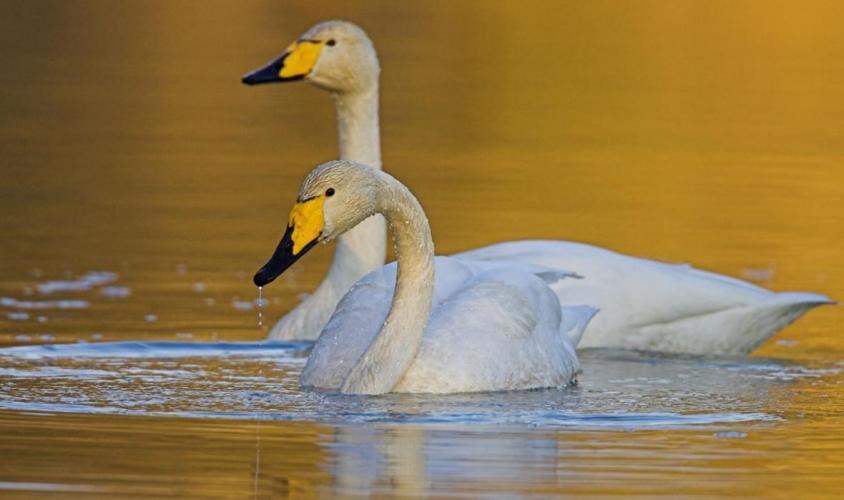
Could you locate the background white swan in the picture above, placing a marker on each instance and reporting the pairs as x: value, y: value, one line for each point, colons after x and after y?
x: 321, y: 56
x: 645, y: 305
x: 494, y: 325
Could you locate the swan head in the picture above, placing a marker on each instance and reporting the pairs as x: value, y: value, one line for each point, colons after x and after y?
x: 333, y: 55
x: 335, y: 197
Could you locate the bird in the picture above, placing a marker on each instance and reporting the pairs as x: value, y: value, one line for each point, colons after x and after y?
x: 424, y: 324
x: 355, y: 93
x: 645, y: 305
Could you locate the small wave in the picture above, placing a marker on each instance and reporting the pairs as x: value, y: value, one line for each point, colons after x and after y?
x: 43, y: 304
x: 566, y: 419
x: 243, y: 305
x: 639, y: 420
x: 48, y: 487
x: 159, y: 349
x: 609, y: 421
x: 116, y: 292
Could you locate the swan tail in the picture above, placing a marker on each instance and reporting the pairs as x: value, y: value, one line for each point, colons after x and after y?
x: 788, y: 307
x: 573, y: 321
x: 735, y: 331
x: 766, y: 319
x: 805, y: 298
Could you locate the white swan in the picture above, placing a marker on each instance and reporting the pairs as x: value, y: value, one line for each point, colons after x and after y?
x: 320, y: 55
x: 644, y: 304
x: 494, y: 325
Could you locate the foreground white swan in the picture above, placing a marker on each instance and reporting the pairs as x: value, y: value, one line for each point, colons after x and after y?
x: 645, y: 305
x: 494, y: 325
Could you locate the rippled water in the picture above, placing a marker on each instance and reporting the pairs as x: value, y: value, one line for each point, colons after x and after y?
x: 260, y: 380
x: 634, y: 418
x: 143, y: 185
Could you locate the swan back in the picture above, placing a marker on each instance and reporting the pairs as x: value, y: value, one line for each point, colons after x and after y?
x: 650, y: 305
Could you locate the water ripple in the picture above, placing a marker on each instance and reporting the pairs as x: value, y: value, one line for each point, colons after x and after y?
x: 158, y: 349
x: 259, y: 380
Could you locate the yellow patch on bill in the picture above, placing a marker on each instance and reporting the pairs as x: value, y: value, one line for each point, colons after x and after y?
x: 307, y: 221
x: 301, y: 58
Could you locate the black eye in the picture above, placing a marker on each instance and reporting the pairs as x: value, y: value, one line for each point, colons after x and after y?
x: 331, y: 43
x: 329, y: 192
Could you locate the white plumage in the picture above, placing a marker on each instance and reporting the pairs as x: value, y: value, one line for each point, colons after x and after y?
x: 493, y: 326
x: 648, y: 305
x: 422, y: 324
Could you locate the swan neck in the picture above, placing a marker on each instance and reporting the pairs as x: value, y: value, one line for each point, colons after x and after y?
x: 364, y: 248
x: 357, y: 126
x: 393, y: 350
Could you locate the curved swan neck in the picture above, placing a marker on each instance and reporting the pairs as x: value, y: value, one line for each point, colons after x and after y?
x: 357, y: 126
x: 394, y: 348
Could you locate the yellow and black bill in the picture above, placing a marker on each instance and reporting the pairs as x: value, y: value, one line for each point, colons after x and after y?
x: 294, y: 64
x: 282, y: 258
x: 304, y: 229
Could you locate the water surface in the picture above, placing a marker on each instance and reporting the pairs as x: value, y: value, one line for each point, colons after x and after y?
x: 633, y: 418
x: 143, y: 185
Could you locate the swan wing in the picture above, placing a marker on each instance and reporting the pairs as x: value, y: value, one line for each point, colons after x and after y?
x: 650, y: 305
x: 361, y: 313
x: 502, y: 330
x: 477, y: 294
x: 355, y: 322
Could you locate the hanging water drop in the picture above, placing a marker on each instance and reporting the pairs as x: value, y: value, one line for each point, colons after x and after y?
x: 260, y: 305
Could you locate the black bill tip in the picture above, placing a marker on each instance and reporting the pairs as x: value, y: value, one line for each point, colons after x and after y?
x: 263, y: 277
x: 269, y: 73
x: 282, y: 258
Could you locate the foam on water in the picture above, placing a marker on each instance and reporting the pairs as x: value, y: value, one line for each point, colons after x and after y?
x: 82, y: 284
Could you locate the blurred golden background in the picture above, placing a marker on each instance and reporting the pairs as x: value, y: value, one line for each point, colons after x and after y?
x: 702, y: 132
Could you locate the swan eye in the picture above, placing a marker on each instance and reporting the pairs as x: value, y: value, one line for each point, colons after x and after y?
x: 331, y: 43
x: 329, y: 192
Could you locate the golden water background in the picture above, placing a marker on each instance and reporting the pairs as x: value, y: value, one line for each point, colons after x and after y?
x: 701, y: 132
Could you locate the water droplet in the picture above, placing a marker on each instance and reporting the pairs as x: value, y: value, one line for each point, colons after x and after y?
x: 260, y: 305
